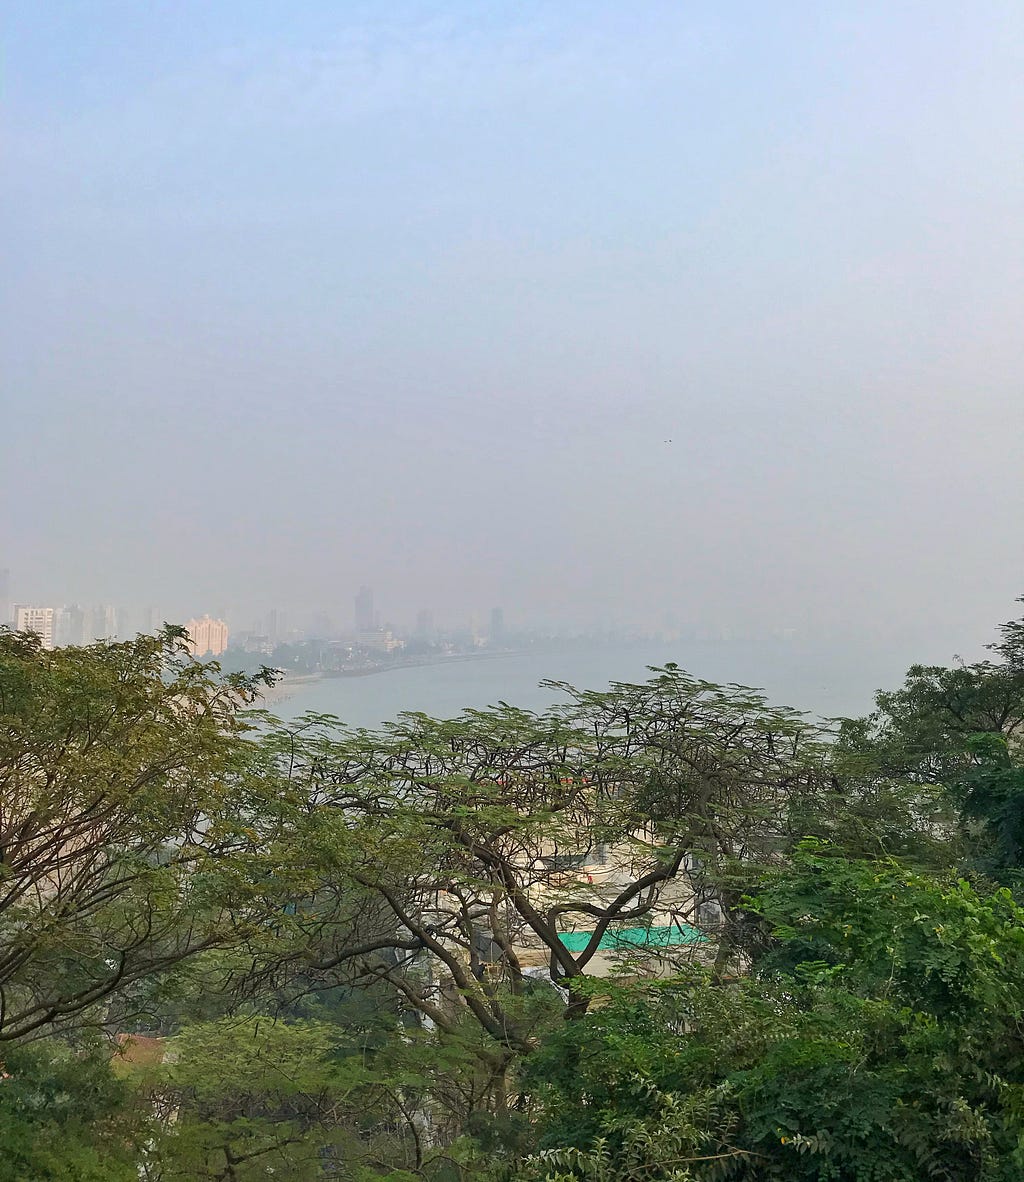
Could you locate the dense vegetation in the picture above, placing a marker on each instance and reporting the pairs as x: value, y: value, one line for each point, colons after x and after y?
x: 664, y: 931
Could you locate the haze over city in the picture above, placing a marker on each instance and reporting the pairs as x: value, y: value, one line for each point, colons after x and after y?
x: 608, y: 314
x: 511, y: 591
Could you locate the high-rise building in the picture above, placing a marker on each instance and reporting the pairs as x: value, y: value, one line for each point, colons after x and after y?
x: 104, y: 623
x: 497, y: 624
x: 276, y: 627
x: 207, y: 636
x: 320, y: 626
x: 425, y: 624
x: 380, y: 640
x: 70, y: 626
x: 35, y: 619
x: 366, y: 620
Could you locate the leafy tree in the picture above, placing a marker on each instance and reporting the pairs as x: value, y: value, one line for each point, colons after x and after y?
x: 990, y: 795
x: 64, y: 1116
x: 136, y: 823
x: 1010, y: 646
x: 249, y: 1097
x: 385, y: 954
x: 920, y: 730
x: 878, y: 1038
x: 948, y: 744
x: 453, y: 856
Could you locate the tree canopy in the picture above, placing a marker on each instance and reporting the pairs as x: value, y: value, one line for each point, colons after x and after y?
x: 134, y: 818
x: 661, y: 930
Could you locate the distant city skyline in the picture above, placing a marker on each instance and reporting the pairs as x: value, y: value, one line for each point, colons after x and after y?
x: 606, y: 313
x: 75, y: 623
x: 79, y: 621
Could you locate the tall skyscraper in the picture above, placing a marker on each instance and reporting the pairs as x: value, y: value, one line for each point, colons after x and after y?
x: 497, y: 624
x: 207, y: 636
x: 425, y: 624
x: 104, y: 623
x: 35, y: 619
x: 276, y: 628
x: 70, y: 627
x: 6, y: 610
x: 366, y: 620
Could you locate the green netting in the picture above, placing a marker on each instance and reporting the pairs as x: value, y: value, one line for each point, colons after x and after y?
x: 672, y: 934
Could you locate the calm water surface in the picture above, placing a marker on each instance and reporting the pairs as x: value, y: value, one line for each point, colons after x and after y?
x: 810, y: 678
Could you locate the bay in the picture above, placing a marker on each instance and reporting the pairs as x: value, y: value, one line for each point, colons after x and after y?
x: 825, y: 681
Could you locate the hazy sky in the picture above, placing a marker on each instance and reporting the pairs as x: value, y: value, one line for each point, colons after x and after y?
x: 298, y: 296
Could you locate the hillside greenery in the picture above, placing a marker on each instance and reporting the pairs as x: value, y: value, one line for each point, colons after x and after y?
x: 236, y: 949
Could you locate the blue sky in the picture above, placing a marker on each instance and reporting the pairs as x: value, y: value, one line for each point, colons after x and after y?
x: 307, y: 295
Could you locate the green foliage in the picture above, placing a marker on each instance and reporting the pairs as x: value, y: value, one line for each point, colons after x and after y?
x: 990, y: 793
x: 135, y: 822
x: 355, y: 937
x: 669, y: 1138
x: 1010, y: 646
x: 458, y: 839
x: 254, y: 1096
x: 879, y: 1040
x: 64, y: 1117
x: 948, y: 743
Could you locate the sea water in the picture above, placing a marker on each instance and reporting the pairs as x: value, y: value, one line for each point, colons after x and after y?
x: 825, y: 681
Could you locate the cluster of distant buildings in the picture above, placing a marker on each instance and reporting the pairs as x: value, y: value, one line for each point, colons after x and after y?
x: 367, y: 633
x: 365, y: 642
x: 57, y: 627
x: 72, y: 624
x: 60, y: 626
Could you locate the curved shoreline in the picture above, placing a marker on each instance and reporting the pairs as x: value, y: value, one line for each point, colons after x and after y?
x: 289, y: 682
x: 417, y: 663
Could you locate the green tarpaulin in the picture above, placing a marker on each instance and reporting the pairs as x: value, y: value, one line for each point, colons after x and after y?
x: 624, y: 938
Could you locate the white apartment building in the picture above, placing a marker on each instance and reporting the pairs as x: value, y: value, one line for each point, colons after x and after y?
x: 35, y: 619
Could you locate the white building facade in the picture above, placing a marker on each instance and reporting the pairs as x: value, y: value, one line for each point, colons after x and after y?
x: 35, y: 619
x: 207, y: 636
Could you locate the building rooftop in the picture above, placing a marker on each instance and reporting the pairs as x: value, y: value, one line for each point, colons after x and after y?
x: 618, y: 939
